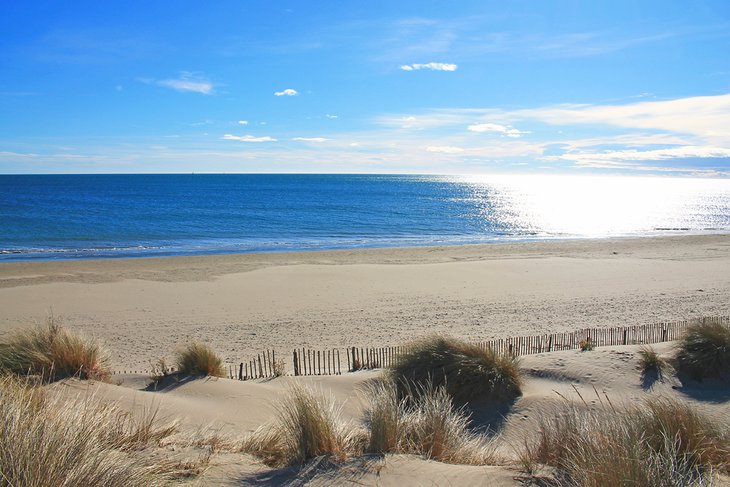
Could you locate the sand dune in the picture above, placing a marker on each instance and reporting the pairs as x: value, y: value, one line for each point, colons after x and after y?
x: 233, y: 408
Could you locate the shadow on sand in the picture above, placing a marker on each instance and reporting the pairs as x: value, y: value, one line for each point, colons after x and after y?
x: 324, y: 470
x: 172, y: 381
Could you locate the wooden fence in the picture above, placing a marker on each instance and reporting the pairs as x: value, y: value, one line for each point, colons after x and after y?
x: 330, y: 362
x: 596, y: 337
x: 308, y: 362
x: 264, y: 365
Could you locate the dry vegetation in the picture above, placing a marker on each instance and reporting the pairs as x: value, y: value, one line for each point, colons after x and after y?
x: 52, y: 352
x: 651, y: 364
x: 199, y: 359
x: 427, y: 425
x: 704, y: 351
x: 308, y: 426
x: 659, y: 443
x: 47, y: 441
x: 467, y: 372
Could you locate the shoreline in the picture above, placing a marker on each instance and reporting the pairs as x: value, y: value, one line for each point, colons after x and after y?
x: 244, y: 303
x: 207, y: 266
x: 58, y: 255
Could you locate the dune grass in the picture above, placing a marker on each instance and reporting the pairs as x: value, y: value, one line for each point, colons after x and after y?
x: 308, y: 426
x: 651, y: 364
x: 704, y: 351
x: 660, y: 443
x: 53, y: 352
x: 467, y: 372
x: 197, y: 358
x: 46, y: 441
x: 429, y: 425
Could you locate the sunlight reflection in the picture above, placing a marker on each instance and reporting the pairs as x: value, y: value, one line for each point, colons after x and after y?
x: 599, y: 206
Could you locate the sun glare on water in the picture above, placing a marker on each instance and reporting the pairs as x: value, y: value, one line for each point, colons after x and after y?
x: 589, y: 206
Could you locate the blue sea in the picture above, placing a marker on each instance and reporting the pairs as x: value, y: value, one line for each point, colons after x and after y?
x: 104, y: 216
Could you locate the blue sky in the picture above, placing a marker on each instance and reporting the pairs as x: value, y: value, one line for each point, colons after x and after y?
x: 619, y: 87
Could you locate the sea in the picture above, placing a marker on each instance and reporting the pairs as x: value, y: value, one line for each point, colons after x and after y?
x: 114, y: 216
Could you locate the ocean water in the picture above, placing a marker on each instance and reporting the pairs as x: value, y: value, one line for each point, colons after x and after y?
x: 93, y: 216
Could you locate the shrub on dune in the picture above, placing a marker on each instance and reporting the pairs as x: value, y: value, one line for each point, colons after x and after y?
x: 308, y: 426
x: 467, y: 372
x: 704, y: 351
x: 46, y: 441
x: 53, y: 352
x: 199, y: 359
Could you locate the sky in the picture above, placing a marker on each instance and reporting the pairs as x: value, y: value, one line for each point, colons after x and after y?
x: 464, y: 87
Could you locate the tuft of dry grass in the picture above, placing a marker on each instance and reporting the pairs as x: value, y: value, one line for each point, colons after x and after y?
x: 427, y: 425
x: 199, y: 359
x: 660, y: 443
x: 467, y: 372
x: 704, y: 351
x: 45, y: 441
x: 650, y: 363
x: 53, y: 352
x: 308, y: 426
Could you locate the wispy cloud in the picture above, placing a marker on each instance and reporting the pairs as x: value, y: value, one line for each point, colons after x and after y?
x: 310, y: 139
x: 641, y: 135
x: 430, y: 66
x: 286, y: 92
x: 243, y: 122
x: 504, y: 130
x: 248, y: 138
x: 331, y: 116
x: 704, y: 116
x: 186, y: 82
x: 630, y: 156
x: 445, y: 149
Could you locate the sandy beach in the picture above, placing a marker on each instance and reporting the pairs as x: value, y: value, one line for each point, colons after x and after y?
x: 144, y: 308
x: 240, y: 304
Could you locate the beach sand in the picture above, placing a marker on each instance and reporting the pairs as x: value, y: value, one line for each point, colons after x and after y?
x: 241, y: 304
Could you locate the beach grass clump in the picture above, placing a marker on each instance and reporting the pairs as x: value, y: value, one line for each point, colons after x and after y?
x: 197, y: 358
x: 429, y: 425
x: 704, y: 351
x: 660, y: 443
x: 652, y: 364
x: 467, y: 372
x: 47, y: 441
x: 308, y: 426
x: 53, y: 352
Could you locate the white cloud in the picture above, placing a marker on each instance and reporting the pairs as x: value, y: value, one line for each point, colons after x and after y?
x: 616, y: 156
x: 505, y: 130
x: 445, y: 149
x: 332, y: 116
x: 243, y: 122
x: 187, y: 82
x: 287, y: 92
x: 432, y: 66
x: 705, y: 116
x: 248, y: 138
x: 310, y: 139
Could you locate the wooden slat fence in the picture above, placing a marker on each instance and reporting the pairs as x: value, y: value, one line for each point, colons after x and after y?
x: 263, y: 366
x: 309, y: 362
x: 597, y: 337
